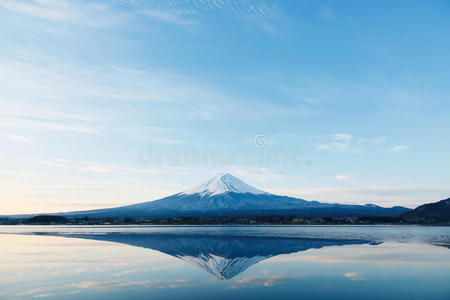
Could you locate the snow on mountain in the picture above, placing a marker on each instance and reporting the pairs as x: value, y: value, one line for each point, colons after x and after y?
x: 222, y: 267
x: 222, y: 255
x: 223, y: 183
x: 225, y: 195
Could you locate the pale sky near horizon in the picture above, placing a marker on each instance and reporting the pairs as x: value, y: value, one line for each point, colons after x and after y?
x: 108, y: 103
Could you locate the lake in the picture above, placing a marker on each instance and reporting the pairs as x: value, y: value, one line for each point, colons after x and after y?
x: 224, y: 262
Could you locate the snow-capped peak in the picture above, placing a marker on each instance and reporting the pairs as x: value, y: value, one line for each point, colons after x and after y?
x: 222, y: 267
x: 223, y: 183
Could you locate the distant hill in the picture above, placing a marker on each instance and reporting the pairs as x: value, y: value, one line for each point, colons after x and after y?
x: 46, y: 220
x: 437, y: 212
x: 226, y: 195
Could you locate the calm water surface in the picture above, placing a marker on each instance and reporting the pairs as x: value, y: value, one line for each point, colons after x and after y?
x: 223, y: 262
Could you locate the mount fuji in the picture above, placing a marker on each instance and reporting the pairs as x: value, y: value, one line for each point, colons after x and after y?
x: 226, y: 195
x: 224, y: 255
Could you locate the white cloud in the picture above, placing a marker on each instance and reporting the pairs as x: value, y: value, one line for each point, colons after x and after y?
x: 18, y: 122
x: 325, y: 13
x: 334, y: 146
x: 387, y: 196
x: 97, y: 169
x: 168, y: 17
x: 81, y: 13
x: 343, y: 137
x: 96, y: 99
x: 398, y: 148
x: 28, y: 186
x: 88, y: 101
x: 250, y: 14
x: 344, y: 142
x: 344, y: 176
x: 354, y: 276
x: 18, y: 138
x: 341, y: 143
x: 36, y: 9
x: 261, y: 281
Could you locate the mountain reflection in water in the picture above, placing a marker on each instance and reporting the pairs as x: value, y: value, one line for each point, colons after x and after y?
x: 223, y: 256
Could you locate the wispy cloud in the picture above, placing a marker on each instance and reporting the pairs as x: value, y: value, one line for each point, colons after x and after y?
x: 18, y: 138
x: 345, y: 142
x: 325, y: 13
x: 383, y: 195
x: 343, y: 137
x: 93, y: 100
x: 76, y: 287
x: 398, y: 148
x: 354, y: 276
x: 84, y: 166
x: 111, y: 284
x: 83, y: 184
x: 334, y: 146
x: 167, y: 17
x: 406, y: 253
x: 260, y: 281
x: 85, y: 100
x: 341, y: 143
x: 249, y: 14
x: 81, y: 13
x: 344, y: 176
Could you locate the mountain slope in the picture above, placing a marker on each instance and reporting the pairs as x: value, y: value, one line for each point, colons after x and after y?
x: 222, y: 255
x: 431, y: 212
x: 223, y: 183
x: 225, y: 195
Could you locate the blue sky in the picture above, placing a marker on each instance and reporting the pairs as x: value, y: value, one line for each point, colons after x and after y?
x: 106, y: 103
